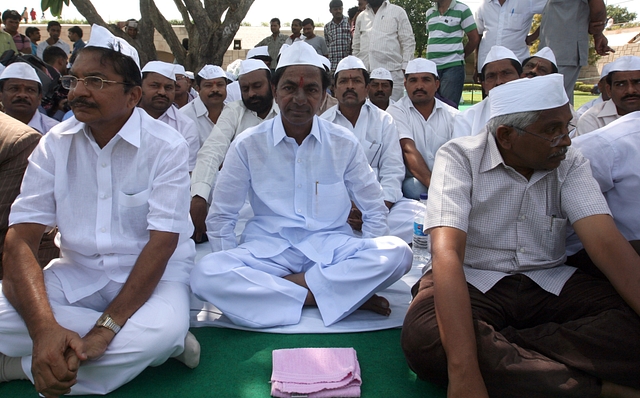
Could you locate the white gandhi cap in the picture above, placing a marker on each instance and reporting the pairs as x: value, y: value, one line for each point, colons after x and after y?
x: 212, y: 72
x: 349, y: 62
x: 421, y: 65
x: 526, y: 95
x: 164, y: 68
x: 20, y: 70
x: 625, y: 63
x: 498, y: 53
x: 546, y: 53
x: 300, y: 53
x: 250, y: 65
x: 382, y: 74
x: 101, y: 37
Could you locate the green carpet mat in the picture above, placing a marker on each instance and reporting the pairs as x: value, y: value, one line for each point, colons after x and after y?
x: 237, y: 364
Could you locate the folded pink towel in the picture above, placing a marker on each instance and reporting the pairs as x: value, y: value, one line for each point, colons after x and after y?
x: 315, y: 373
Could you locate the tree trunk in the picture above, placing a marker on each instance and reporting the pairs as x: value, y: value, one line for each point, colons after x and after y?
x: 209, y: 35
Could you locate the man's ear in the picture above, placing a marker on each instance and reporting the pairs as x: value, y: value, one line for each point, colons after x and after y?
x: 505, y: 136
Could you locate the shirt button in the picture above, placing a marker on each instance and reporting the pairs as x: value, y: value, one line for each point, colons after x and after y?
x: 102, y: 196
x: 299, y: 210
x: 523, y: 218
x: 522, y: 250
x: 104, y: 165
x: 299, y: 160
x: 299, y: 185
x: 103, y: 229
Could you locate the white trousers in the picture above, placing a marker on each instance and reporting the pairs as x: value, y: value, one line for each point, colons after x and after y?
x: 398, y: 85
x: 252, y: 292
x: 153, y: 334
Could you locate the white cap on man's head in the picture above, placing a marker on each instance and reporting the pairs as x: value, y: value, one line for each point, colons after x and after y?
x: 101, y: 37
x: 350, y: 62
x: 2, y: 67
x: 326, y: 62
x: 382, y: 74
x: 179, y: 70
x: 625, y: 63
x: 605, y: 70
x: 212, y: 72
x: 498, y: 53
x: 300, y: 53
x: 164, y: 68
x: 189, y: 74
x: 262, y: 51
x: 546, y: 53
x: 20, y: 70
x: 527, y: 95
x: 421, y: 65
x: 284, y: 47
x: 250, y: 65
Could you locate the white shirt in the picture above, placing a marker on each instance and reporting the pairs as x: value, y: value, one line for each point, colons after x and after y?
x: 378, y: 136
x: 105, y: 201
x: 300, y: 194
x: 506, y: 25
x: 472, y: 120
x: 43, y: 46
x: 187, y: 128
x: 42, y: 123
x: 587, y: 105
x: 514, y: 225
x: 197, y: 111
x: 614, y: 154
x: 233, y: 92
x: 428, y: 135
x: 384, y: 39
x: 234, y: 119
x: 598, y: 116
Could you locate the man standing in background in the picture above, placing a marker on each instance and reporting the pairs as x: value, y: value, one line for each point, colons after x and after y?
x: 274, y: 42
x: 54, y: 29
x: 383, y: 38
x: 337, y: 35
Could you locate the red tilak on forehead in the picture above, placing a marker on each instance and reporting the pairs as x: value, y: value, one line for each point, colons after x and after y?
x: 301, y: 82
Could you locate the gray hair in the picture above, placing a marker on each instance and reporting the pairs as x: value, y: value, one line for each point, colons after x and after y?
x: 520, y: 120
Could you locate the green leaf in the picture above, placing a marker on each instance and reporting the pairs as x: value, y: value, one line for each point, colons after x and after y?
x: 44, y: 4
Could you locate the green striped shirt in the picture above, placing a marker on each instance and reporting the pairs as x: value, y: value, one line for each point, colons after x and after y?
x: 444, y: 46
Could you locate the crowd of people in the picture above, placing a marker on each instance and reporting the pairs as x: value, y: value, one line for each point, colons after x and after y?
x: 300, y: 168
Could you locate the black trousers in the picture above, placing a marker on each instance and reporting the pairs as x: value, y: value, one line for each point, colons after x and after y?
x: 532, y: 343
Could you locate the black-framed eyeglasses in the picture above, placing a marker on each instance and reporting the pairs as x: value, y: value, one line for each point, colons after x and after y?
x: 555, y: 141
x: 90, y: 82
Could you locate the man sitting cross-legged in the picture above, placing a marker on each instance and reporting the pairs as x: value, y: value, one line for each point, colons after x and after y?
x: 115, y: 182
x: 300, y: 173
x: 501, y: 315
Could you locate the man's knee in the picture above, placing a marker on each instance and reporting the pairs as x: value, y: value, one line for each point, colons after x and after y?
x: 421, y: 340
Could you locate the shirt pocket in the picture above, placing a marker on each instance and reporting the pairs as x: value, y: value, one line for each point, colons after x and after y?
x: 516, y: 21
x: 133, y: 209
x: 330, y: 201
x: 554, y: 236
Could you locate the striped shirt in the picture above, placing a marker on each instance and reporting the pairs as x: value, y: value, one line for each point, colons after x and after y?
x: 446, y: 31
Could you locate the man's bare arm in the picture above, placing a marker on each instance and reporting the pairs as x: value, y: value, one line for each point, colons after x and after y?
x: 139, y: 286
x: 453, y: 312
x: 56, y: 350
x: 613, y: 255
x: 414, y: 161
x: 473, y: 43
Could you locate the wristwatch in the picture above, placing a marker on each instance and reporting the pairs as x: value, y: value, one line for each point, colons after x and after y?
x: 106, y: 321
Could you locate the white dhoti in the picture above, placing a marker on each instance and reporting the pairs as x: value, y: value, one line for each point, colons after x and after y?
x: 153, y: 334
x: 252, y: 292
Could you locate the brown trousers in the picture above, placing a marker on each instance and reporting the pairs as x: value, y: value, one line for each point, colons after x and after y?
x: 532, y: 343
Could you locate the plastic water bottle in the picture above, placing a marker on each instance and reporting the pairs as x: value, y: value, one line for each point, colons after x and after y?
x: 421, y: 241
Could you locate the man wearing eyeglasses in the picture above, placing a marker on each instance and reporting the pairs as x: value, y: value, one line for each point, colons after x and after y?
x: 500, y: 314
x: 21, y: 93
x: 115, y: 182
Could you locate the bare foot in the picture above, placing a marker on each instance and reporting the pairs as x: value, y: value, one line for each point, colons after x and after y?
x: 377, y: 304
x: 610, y: 390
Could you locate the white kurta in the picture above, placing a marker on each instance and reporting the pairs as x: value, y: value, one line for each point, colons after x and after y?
x: 187, y: 128
x: 300, y: 195
x: 472, y: 120
x: 377, y: 133
x: 42, y: 123
x: 234, y: 119
x: 104, y: 201
x: 598, y: 116
x: 197, y: 111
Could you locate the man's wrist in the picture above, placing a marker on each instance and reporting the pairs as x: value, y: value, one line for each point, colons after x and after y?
x: 105, y: 321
